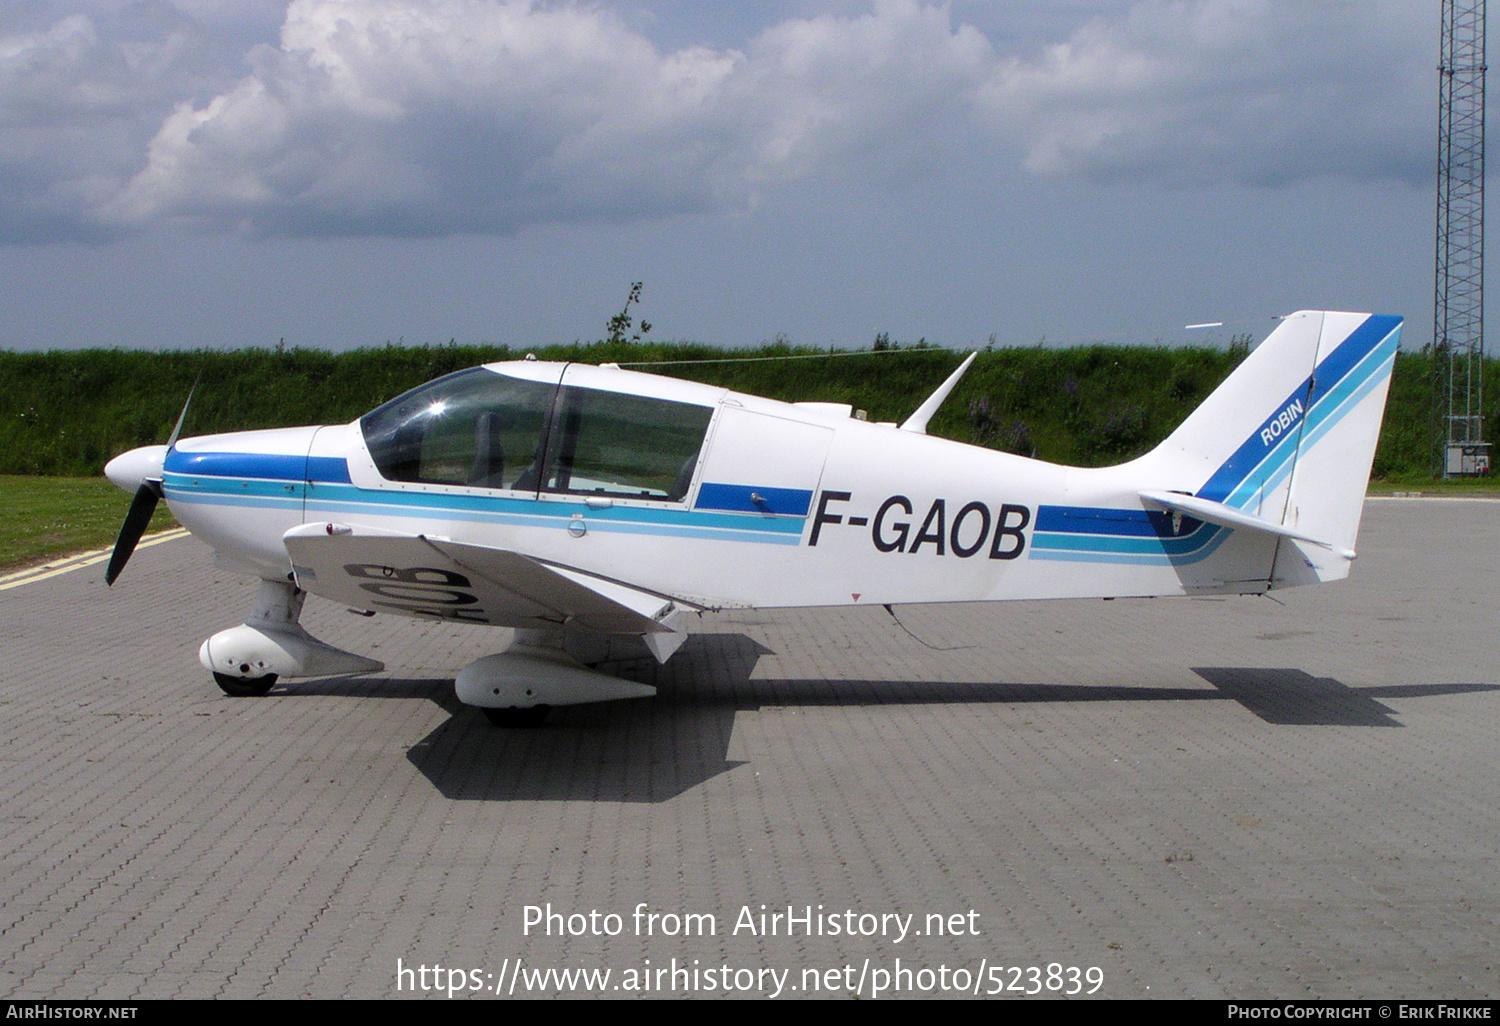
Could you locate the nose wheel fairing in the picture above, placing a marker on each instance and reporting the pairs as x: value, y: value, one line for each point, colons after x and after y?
x: 272, y: 643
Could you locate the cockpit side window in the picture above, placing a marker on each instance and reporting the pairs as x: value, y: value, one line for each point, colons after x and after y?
x: 632, y: 446
x: 475, y: 428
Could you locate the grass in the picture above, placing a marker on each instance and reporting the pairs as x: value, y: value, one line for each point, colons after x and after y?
x: 46, y: 517
x: 66, y: 413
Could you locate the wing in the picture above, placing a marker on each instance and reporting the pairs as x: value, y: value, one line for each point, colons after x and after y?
x: 426, y: 576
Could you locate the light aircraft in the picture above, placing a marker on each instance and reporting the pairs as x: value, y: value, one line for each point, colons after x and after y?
x: 591, y: 508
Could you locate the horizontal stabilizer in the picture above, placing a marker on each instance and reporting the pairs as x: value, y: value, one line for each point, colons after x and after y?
x: 417, y: 575
x: 1227, y: 516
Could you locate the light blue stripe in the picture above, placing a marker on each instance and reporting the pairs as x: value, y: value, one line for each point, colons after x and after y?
x: 1355, y: 397
x: 1113, y: 543
x: 713, y: 534
x: 232, y: 486
x: 484, y: 506
x: 238, y: 501
x: 247, y: 499
x: 480, y: 509
x: 315, y: 508
x: 1128, y: 559
x: 552, y: 523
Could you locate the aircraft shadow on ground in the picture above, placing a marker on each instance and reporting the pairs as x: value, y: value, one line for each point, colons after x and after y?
x: 651, y: 750
x: 1291, y: 697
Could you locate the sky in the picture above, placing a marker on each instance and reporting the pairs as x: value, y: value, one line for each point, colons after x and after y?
x: 346, y: 173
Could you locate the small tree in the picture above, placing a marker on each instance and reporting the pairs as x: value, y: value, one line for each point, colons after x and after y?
x: 618, y: 326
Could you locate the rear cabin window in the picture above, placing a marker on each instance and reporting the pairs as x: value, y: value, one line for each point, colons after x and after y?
x: 609, y: 443
x: 485, y: 430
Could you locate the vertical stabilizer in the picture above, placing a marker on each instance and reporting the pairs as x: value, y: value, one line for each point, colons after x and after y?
x: 1289, y: 437
x: 1332, y: 467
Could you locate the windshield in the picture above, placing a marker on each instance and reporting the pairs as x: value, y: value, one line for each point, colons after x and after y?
x: 471, y: 428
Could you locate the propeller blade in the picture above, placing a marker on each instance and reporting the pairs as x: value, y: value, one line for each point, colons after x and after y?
x: 126, y: 466
x: 183, y: 415
x: 141, y: 508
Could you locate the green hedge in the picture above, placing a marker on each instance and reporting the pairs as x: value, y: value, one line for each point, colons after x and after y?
x: 67, y: 413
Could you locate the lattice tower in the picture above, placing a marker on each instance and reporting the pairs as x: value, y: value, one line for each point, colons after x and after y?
x: 1458, y: 321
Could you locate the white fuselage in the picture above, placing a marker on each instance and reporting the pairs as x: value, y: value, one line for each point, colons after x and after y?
x: 711, y: 498
x: 787, y: 506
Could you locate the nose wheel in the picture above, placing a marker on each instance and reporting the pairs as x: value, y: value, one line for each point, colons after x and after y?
x: 245, y: 687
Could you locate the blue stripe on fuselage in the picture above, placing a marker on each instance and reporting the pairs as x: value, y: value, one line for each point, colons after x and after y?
x: 1095, y: 534
x: 258, y: 465
x: 792, y: 502
x: 1097, y: 520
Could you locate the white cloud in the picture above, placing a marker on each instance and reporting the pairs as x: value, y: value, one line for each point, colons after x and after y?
x: 454, y: 115
x: 433, y: 117
x: 1243, y: 91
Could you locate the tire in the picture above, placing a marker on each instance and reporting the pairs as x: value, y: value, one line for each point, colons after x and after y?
x: 245, y: 687
x: 531, y: 716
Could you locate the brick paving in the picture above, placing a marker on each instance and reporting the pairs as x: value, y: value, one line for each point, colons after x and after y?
x: 1242, y: 798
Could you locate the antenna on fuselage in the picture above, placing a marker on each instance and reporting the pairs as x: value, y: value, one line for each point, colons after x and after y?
x: 918, y: 421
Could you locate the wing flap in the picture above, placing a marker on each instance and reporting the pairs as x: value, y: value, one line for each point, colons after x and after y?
x: 423, y: 576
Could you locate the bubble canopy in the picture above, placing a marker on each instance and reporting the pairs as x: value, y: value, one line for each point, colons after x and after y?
x: 485, y: 428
